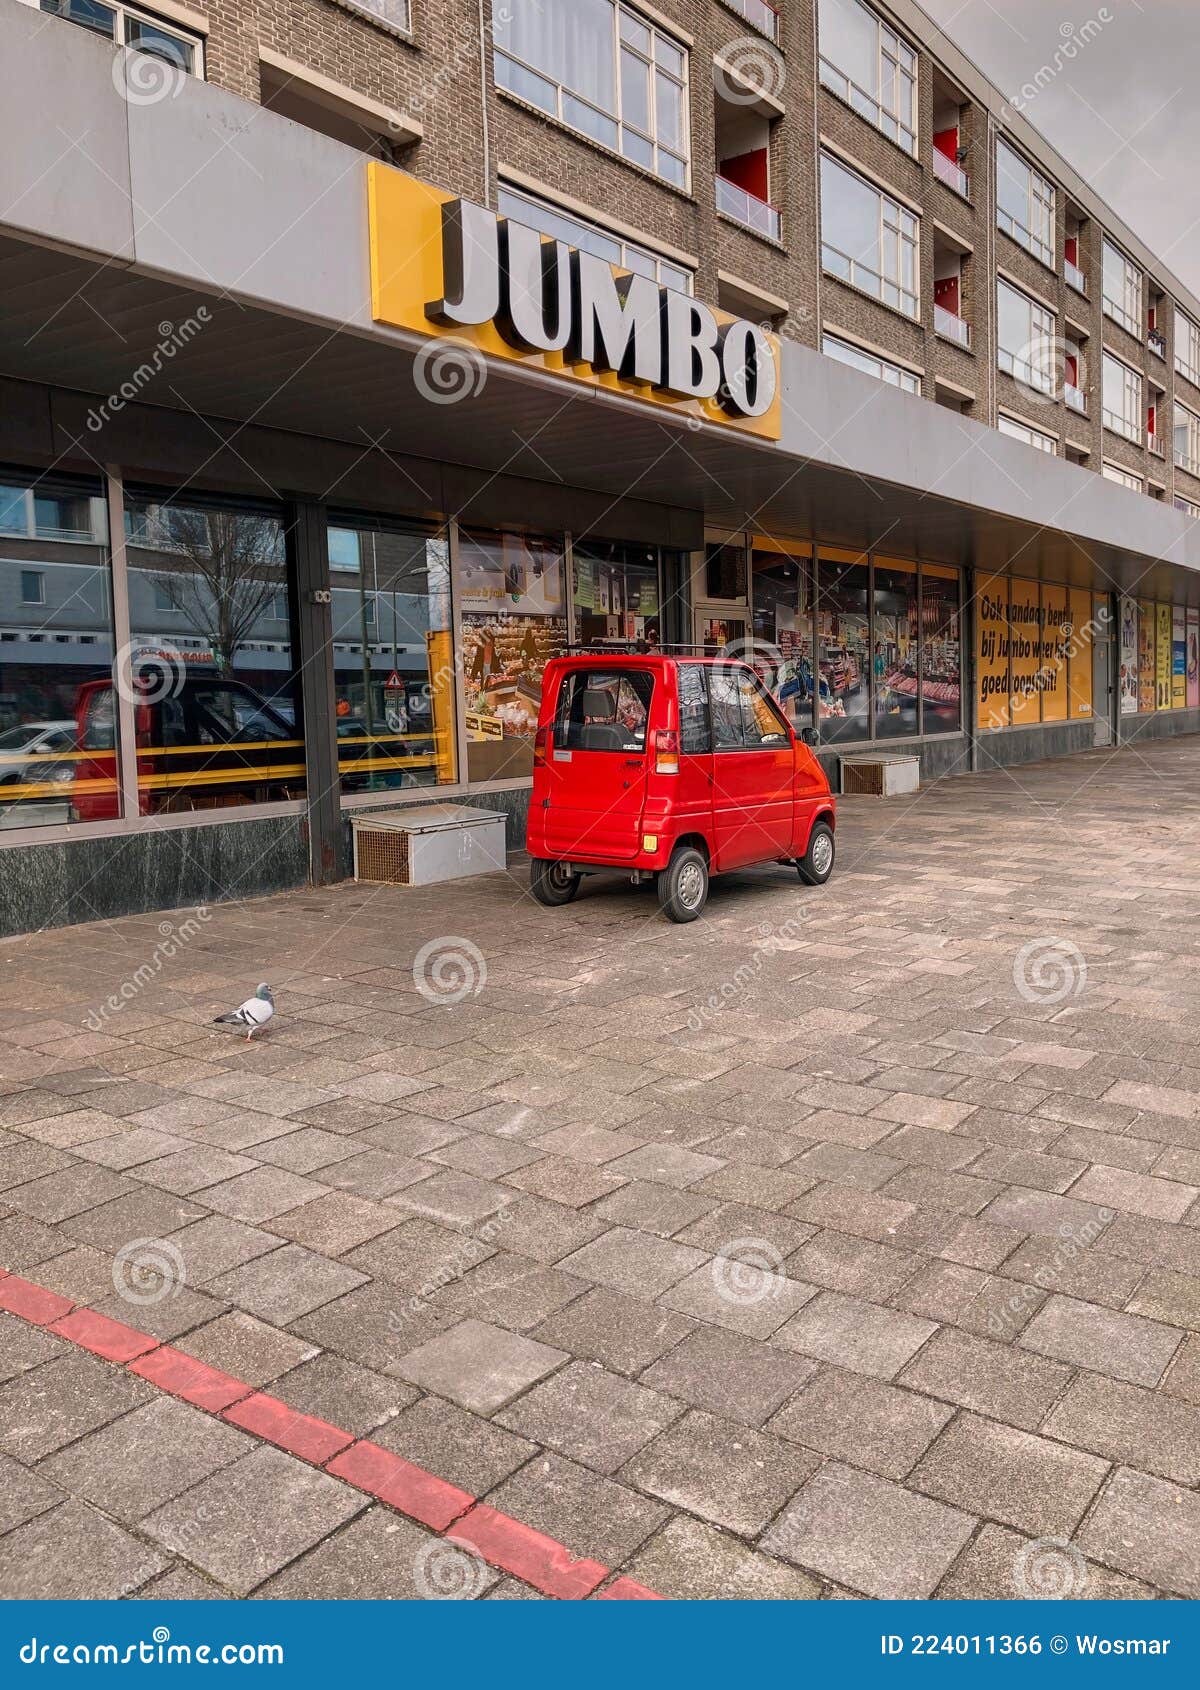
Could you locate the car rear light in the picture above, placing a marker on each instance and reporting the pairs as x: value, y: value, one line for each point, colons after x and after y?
x: 541, y: 740
x: 666, y: 751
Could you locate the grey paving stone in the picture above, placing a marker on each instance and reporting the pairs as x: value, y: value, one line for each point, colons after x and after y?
x: 510, y: 1291
x: 247, y: 1521
x: 869, y: 1534
x: 143, y: 1213
x: 1123, y: 1345
x: 991, y: 1378
x: 862, y: 1420
x: 53, y: 1404
x: 1046, y: 1213
x: 1183, y: 1376
x: 419, y: 1256
x: 855, y: 1334
x: 1148, y: 1528
x: 58, y: 1196
x: 380, y: 1557
x: 837, y: 1262
x: 24, y: 1242
x: 180, y: 1584
x: 23, y: 1493
x: 722, y: 1471
x: 142, y: 1460
x: 1012, y: 1476
x: 633, y: 1262
x: 456, y: 1199
x: 374, y: 1326
x: 1138, y: 1194
x: 74, y: 1554
x: 469, y: 1451
x: 261, y: 1194
x: 23, y: 1346
x: 730, y: 1375
x: 623, y: 1333
x: 1131, y: 1426
x: 481, y: 1367
x: 342, y: 1393
x: 1173, y: 1298
x: 689, y: 1561
x: 735, y: 1292
x: 247, y: 1348
x: 659, y: 1209
x: 288, y: 1283
x: 1002, y: 1565
x: 595, y: 1517
x: 190, y: 1170
x: 590, y: 1415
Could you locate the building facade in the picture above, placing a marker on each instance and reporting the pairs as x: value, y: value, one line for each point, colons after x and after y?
x: 356, y: 356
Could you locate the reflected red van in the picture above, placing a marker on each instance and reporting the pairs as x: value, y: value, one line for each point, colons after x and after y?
x: 671, y: 768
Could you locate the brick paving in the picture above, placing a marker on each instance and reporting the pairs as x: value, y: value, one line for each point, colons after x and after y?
x: 844, y: 1243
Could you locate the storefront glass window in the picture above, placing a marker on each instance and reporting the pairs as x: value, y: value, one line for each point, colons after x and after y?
x: 616, y: 593
x: 783, y: 628
x: 725, y: 571
x: 991, y: 657
x: 1129, y: 657
x: 393, y: 654
x: 894, y: 650
x: 941, y: 660
x: 843, y: 650
x: 513, y: 621
x: 1193, y: 659
x: 217, y: 698
x: 1056, y: 643
x: 57, y: 652
x: 1147, y: 624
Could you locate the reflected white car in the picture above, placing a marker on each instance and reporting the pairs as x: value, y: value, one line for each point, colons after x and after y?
x: 32, y: 739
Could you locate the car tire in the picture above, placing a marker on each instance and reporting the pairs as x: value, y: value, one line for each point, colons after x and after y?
x: 683, y: 885
x: 552, y: 883
x: 816, y: 865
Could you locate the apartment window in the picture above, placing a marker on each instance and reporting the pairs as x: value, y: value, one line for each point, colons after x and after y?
x: 1187, y: 506
x: 881, y: 368
x: 1024, y: 204
x: 1187, y: 348
x: 163, y: 600
x: 396, y: 12
x: 1122, y: 399
x: 1122, y: 289
x: 602, y: 69
x: 1124, y: 477
x: 1031, y: 436
x: 130, y: 27
x: 33, y: 587
x: 1024, y: 338
x: 867, y: 238
x: 1187, y: 440
x: 868, y: 65
x: 590, y: 237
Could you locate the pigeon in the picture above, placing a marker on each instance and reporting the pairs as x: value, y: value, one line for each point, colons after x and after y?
x: 254, y: 1013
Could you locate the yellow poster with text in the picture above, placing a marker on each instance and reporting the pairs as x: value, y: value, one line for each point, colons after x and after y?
x: 1025, y: 644
x: 1162, y: 666
x: 1080, y: 664
x: 991, y: 652
x: 1056, y: 642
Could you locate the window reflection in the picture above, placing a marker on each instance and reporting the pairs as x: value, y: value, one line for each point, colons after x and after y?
x: 894, y: 650
x: 844, y: 651
x: 783, y: 628
x: 941, y: 685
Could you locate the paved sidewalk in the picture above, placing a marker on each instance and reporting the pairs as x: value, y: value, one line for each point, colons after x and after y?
x: 844, y: 1243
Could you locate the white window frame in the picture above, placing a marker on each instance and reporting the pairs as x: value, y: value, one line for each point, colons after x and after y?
x: 1123, y: 477
x: 1015, y: 429
x: 1130, y: 421
x: 894, y: 375
x: 1187, y: 348
x: 376, y: 12
x: 589, y: 226
x: 1127, y: 308
x: 38, y: 575
x: 123, y: 12
x: 903, y: 226
x: 893, y: 51
x: 1035, y: 371
x: 1187, y: 507
x: 501, y: 56
x: 1036, y: 233
x: 1188, y: 422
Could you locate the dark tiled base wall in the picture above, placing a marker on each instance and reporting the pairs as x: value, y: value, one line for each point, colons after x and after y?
x: 165, y: 869
x: 1006, y: 747
x: 1159, y: 724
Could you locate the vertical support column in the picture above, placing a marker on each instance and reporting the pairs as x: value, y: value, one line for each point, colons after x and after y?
x: 312, y: 625
x: 968, y: 679
x: 126, y: 724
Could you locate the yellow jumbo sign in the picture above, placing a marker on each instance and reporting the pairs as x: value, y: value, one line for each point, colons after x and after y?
x: 441, y: 266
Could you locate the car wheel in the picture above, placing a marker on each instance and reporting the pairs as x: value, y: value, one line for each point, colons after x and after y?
x: 552, y: 883
x: 816, y: 865
x: 683, y: 885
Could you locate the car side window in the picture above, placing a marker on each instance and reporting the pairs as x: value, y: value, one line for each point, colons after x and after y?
x: 695, y: 734
x: 726, y: 702
x: 762, y: 724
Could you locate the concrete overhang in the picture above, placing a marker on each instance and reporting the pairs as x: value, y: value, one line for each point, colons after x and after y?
x: 119, y: 224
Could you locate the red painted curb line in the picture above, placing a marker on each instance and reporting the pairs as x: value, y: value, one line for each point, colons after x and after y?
x: 506, y: 1543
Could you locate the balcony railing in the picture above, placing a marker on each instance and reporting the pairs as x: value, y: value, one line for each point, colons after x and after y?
x: 952, y: 326
x: 1157, y: 342
x: 951, y: 174
x: 747, y: 209
x: 1074, y: 398
x: 1156, y: 445
x: 764, y: 18
x: 1074, y: 276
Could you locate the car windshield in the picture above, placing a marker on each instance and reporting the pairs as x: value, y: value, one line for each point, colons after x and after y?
x: 15, y: 739
x: 604, y: 710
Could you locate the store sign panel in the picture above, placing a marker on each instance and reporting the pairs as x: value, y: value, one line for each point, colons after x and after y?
x: 444, y: 266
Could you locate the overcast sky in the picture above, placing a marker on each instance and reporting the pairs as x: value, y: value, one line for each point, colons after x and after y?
x: 1125, y: 109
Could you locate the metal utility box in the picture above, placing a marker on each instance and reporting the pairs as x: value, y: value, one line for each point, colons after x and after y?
x: 881, y: 777
x: 427, y: 844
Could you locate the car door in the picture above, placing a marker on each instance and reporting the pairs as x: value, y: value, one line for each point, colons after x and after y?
x: 753, y: 770
x: 596, y: 769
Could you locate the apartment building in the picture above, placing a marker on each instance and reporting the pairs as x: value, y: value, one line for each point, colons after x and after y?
x: 290, y: 522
